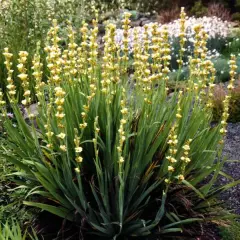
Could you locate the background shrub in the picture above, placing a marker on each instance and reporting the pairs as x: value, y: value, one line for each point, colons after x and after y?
x: 220, y: 11
x: 234, y: 111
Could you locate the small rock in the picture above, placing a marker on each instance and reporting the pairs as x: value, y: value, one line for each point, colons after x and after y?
x: 33, y: 109
x: 135, y: 23
x: 145, y: 22
x: 143, y: 19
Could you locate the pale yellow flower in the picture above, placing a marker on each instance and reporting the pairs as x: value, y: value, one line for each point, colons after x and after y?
x: 63, y: 148
x: 78, y: 149
x: 186, y: 147
x: 79, y: 159
x: 61, y: 135
x: 181, y: 177
x: 170, y: 168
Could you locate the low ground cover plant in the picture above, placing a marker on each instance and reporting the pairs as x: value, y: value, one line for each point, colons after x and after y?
x: 117, y: 157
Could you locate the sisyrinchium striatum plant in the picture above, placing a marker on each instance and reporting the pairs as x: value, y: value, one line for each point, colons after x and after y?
x: 117, y: 156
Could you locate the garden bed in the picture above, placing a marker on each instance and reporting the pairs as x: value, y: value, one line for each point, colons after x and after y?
x: 232, y: 151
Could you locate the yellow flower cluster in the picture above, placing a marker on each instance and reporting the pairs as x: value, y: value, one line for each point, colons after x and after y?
x: 10, y: 87
x: 82, y: 51
x: 96, y: 133
x: 91, y: 70
x: 206, y: 69
x: 211, y: 85
x: 145, y: 65
x: 37, y: 73
x: 185, y: 159
x: 2, y: 102
x: 24, y: 77
x: 70, y: 56
x: 233, y: 68
x: 48, y: 127
x: 156, y: 54
x: 196, y: 60
x: 93, y: 53
x: 225, y: 115
x: 54, y: 60
x: 166, y: 57
x: 182, y: 37
x: 78, y: 149
x: 2, y: 106
x: 197, y: 43
x: 179, y: 110
x: 137, y: 61
x: 90, y: 51
x: 92, y: 60
x: 172, y: 142
x: 59, y: 101
x: 201, y: 69
x: 123, y: 122
x: 111, y: 69
x: 126, y: 27
x: 60, y: 115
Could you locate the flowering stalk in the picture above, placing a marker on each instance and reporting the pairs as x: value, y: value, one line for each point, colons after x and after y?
x: 49, y: 133
x: 156, y: 65
x: 37, y: 73
x: 145, y: 66
x: 110, y: 72
x: 195, y: 60
x: 83, y: 52
x: 182, y: 38
x: 24, y: 77
x: 173, y: 141
x: 96, y: 133
x: 165, y: 56
x: 137, y: 58
x: 54, y: 61
x: 226, y: 101
x: 71, y: 54
x: 93, y: 57
x: 122, y: 134
x: 210, y: 95
x: 2, y: 104
x: 92, y: 60
x: 78, y: 149
x: 185, y: 159
x: 60, y: 115
x: 126, y: 27
x: 10, y: 87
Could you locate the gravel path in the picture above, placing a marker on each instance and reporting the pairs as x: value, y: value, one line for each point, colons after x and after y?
x: 232, y: 152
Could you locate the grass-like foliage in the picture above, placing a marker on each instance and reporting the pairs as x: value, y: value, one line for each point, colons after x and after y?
x: 118, y: 156
x: 11, y: 230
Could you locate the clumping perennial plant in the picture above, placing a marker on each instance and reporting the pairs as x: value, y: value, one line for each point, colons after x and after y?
x: 117, y: 157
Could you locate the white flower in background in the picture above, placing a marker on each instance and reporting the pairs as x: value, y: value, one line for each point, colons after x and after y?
x: 214, y: 27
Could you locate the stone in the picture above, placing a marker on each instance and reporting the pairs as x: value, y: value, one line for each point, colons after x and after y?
x: 135, y: 23
x: 33, y: 109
